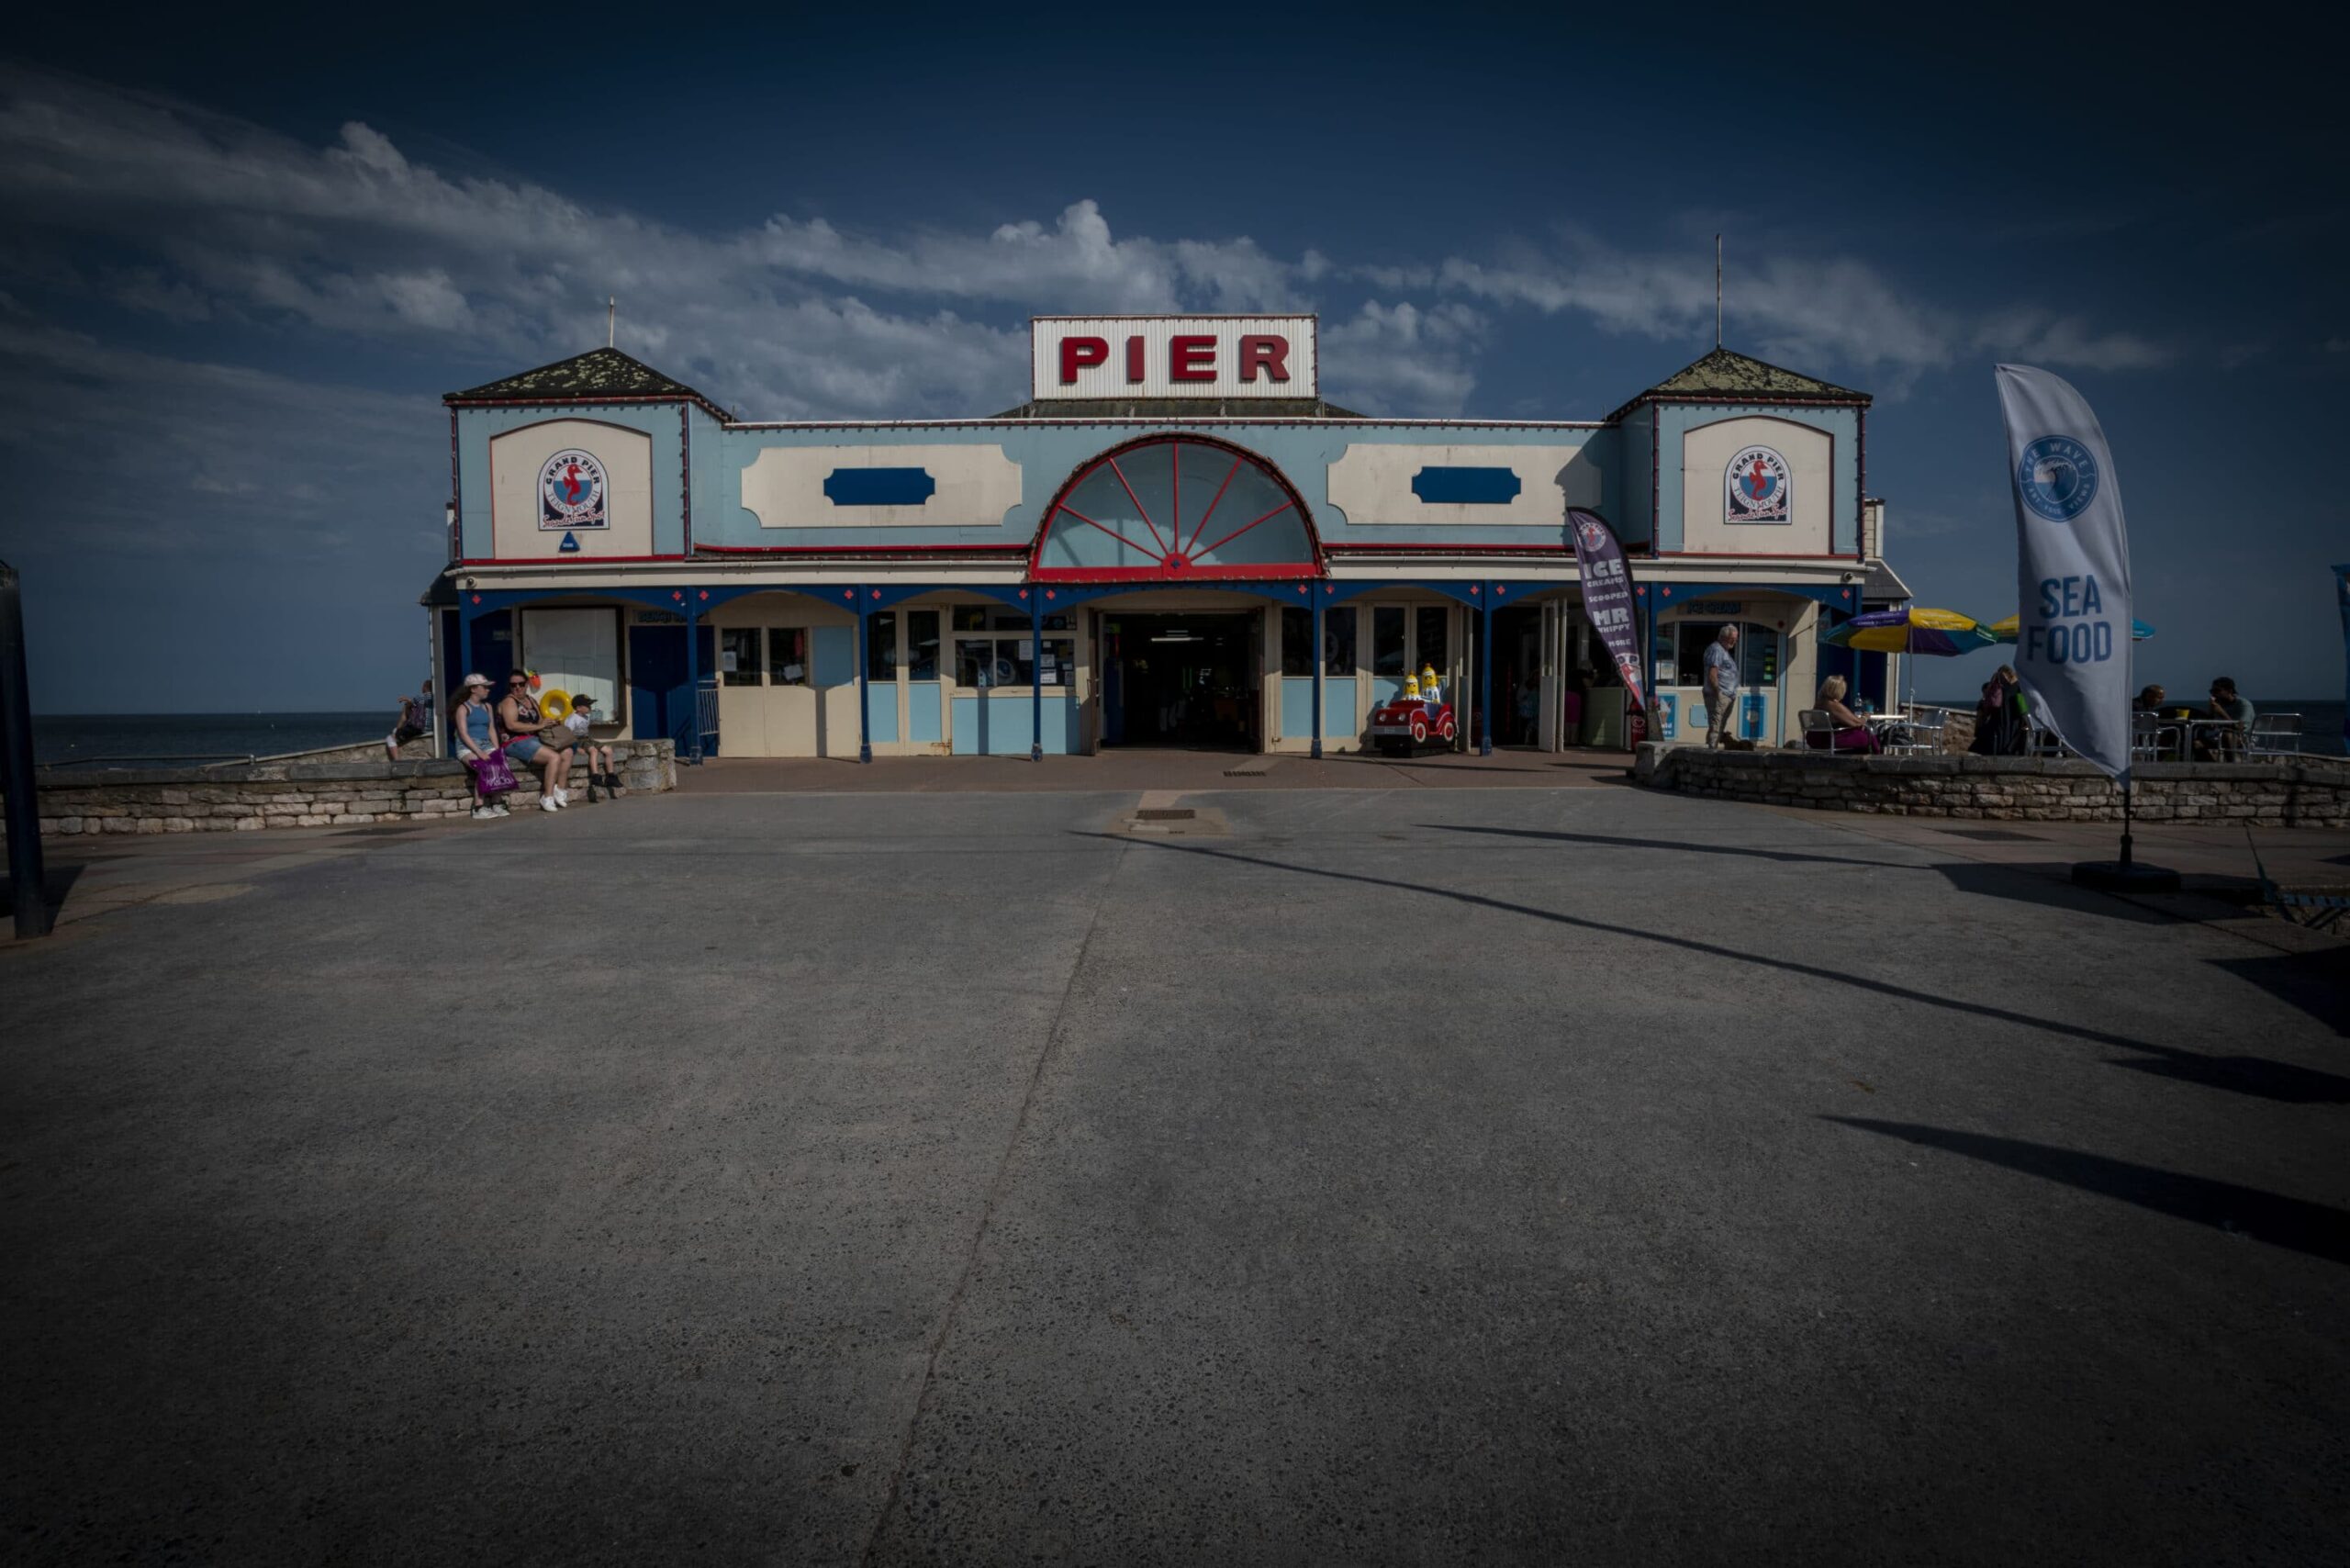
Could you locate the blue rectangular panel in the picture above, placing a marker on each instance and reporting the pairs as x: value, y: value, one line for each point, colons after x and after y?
x: 1338, y: 711
x: 923, y: 716
x: 881, y: 711
x: 1297, y: 707
x: 1002, y: 726
x: 1474, y: 486
x: 880, y: 487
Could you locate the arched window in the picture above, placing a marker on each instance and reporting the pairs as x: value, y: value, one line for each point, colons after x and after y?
x: 1175, y: 509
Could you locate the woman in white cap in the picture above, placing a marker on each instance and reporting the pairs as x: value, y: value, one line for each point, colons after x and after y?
x: 473, y: 726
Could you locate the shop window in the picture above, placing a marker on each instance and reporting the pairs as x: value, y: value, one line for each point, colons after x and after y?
x: 921, y: 645
x: 1429, y: 649
x: 1000, y: 617
x: 788, y: 656
x: 575, y: 651
x: 1690, y: 640
x: 1297, y: 641
x: 1338, y: 642
x: 738, y: 655
x: 1758, y: 651
x: 881, y: 646
x: 988, y: 663
x: 1387, y: 641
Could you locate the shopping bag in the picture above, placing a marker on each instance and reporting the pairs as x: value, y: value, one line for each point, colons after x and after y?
x: 491, y: 776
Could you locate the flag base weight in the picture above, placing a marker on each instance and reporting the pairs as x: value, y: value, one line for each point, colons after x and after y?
x: 2124, y: 877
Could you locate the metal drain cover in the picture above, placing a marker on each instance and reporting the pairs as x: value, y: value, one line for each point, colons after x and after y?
x: 1166, y: 814
x: 1992, y: 835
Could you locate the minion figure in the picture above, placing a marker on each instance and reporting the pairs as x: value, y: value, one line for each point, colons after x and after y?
x: 1430, y: 692
x: 1411, y: 688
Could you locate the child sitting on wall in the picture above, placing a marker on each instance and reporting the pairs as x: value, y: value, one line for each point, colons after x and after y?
x: 597, y: 757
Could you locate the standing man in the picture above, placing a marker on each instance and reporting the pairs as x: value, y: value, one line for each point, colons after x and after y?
x: 1721, y: 688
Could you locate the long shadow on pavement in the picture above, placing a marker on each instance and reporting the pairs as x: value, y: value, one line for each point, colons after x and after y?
x: 1793, y: 856
x: 1688, y: 944
x: 2316, y: 982
x: 58, y: 880
x: 2281, y: 1221
x: 2233, y: 1072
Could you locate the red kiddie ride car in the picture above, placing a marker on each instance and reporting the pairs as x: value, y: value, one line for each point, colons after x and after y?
x: 1399, y: 727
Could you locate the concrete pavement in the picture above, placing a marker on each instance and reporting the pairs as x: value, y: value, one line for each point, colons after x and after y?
x: 1382, y: 1176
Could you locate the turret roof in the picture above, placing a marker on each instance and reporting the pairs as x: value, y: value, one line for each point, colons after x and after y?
x: 599, y: 374
x: 1734, y: 377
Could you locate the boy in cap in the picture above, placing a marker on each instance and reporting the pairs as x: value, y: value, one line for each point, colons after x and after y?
x: 597, y: 757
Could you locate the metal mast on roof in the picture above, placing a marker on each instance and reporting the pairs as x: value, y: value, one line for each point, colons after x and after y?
x: 612, y: 311
x: 1718, y: 291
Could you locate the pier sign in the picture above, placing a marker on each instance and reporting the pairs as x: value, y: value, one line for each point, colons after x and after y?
x: 1221, y: 357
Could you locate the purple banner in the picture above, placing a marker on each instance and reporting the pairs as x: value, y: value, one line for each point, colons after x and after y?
x: 1607, y: 596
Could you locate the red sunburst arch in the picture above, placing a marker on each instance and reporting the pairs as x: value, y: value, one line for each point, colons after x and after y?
x: 1175, y: 509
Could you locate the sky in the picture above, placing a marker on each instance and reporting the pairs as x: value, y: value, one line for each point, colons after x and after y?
x: 240, y: 263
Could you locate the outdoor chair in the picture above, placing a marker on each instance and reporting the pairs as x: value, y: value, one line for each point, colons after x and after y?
x: 2274, y: 735
x: 1926, y: 726
x: 2145, y: 737
x: 1819, y: 729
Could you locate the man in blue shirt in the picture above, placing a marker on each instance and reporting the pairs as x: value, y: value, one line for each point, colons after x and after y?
x: 1721, y: 688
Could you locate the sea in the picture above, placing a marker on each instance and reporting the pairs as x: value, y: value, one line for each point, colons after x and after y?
x: 162, y: 740
x: 171, y: 740
x: 2320, y: 719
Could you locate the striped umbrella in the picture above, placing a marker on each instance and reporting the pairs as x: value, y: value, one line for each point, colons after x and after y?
x: 2005, y: 631
x: 1942, y: 633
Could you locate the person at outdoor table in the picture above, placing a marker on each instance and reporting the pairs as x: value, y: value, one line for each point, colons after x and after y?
x: 1852, y: 730
x: 2225, y: 741
x: 2151, y: 700
x: 2001, y: 729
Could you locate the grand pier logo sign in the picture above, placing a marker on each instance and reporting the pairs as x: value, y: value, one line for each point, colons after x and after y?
x: 1756, y: 488
x: 572, y: 491
x: 2057, y: 477
x: 1225, y: 358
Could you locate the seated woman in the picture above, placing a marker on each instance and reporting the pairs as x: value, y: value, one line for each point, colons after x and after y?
x: 1852, y: 730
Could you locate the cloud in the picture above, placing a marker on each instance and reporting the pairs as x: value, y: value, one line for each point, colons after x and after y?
x: 207, y: 219
x: 1388, y: 358
x: 1829, y: 313
x: 218, y: 461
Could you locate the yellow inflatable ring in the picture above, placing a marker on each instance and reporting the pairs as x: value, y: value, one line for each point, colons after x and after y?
x: 555, y: 703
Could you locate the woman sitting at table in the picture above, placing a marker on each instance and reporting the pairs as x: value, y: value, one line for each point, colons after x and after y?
x: 1851, y: 733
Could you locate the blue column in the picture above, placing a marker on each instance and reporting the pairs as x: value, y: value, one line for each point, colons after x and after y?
x: 1035, y: 673
x: 693, y: 677
x: 864, y: 688
x: 1485, y: 674
x: 1318, y: 661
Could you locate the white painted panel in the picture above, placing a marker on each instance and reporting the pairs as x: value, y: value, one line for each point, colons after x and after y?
x: 578, y: 653
x: 784, y: 486
x: 514, y: 460
x: 1706, y: 454
x: 1212, y: 343
x: 1371, y: 484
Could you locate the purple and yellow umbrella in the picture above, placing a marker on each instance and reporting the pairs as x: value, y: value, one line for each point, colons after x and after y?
x: 2005, y: 631
x: 1941, y: 633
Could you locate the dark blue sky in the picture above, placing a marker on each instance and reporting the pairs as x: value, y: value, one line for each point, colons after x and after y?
x: 242, y: 261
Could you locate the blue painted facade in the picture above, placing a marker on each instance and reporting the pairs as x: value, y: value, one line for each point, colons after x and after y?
x: 915, y: 519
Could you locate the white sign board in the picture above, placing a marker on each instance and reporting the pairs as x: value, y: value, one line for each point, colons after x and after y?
x: 1174, y: 356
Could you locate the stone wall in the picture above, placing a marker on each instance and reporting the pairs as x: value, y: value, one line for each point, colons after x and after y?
x: 302, y: 794
x: 2306, y: 792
